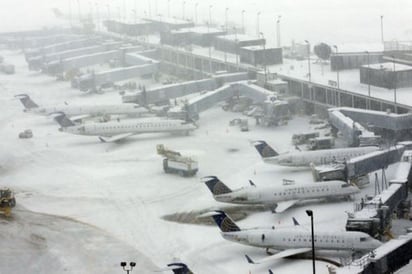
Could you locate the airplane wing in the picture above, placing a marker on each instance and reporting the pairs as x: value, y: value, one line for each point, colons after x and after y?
x: 282, y: 254
x: 115, y: 137
x: 282, y: 206
x: 79, y: 117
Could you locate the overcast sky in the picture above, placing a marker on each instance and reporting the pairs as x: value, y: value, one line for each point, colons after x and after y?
x: 333, y: 21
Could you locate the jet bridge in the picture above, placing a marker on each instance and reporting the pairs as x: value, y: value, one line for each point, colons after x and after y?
x: 353, y: 132
x: 373, y: 216
x: 355, y: 168
x: 379, y: 119
x: 110, y: 51
x: 172, y: 91
x: 388, y: 258
x: 51, y: 61
x: 93, y: 80
x: 67, y: 45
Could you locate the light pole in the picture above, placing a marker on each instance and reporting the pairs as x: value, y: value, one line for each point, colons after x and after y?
x: 337, y: 69
x: 226, y: 11
x: 210, y: 14
x: 210, y: 49
x: 97, y: 16
x: 135, y: 16
x: 309, y: 74
x: 78, y: 6
x: 394, y: 83
x: 108, y: 12
x: 264, y: 56
x: 183, y: 9
x: 369, y: 73
x: 168, y: 8
x: 278, y: 30
x: 382, y: 29
x: 197, y: 4
x: 119, y: 13
x: 310, y: 214
x: 369, y: 80
x: 237, y: 48
x: 257, y: 23
x: 70, y: 13
x: 243, y: 21
x: 124, y: 10
x: 124, y: 264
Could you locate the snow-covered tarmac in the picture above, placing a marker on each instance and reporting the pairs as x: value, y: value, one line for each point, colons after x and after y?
x: 107, y: 200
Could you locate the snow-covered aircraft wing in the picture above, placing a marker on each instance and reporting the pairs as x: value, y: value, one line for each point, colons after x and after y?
x: 79, y: 117
x: 283, y: 254
x: 282, y: 206
x: 115, y: 137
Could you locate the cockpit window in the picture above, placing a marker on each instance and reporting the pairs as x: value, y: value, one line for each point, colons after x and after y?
x: 363, y: 239
x: 345, y: 185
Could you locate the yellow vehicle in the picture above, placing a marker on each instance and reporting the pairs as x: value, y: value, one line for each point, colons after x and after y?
x: 7, y: 201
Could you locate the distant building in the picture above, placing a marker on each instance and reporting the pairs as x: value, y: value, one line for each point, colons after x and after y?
x: 354, y: 60
x: 258, y: 55
x: 232, y: 43
x: 134, y: 28
x: 387, y: 75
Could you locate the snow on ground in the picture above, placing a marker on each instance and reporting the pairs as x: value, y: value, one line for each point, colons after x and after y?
x: 121, y: 191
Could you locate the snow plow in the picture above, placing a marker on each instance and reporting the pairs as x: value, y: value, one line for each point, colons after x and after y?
x: 174, y: 162
x: 7, y: 201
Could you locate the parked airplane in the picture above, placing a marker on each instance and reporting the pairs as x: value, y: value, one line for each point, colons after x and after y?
x: 294, y: 241
x: 113, y: 131
x: 278, y: 198
x: 82, y: 110
x: 305, y: 158
x: 177, y: 268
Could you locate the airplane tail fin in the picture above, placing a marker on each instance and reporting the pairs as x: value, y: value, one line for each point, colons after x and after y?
x: 264, y: 149
x: 224, y: 222
x: 62, y: 120
x: 215, y: 185
x: 179, y: 268
x: 27, y: 102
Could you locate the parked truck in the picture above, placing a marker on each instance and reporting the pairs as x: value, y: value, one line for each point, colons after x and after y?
x: 7, y: 201
x: 174, y: 162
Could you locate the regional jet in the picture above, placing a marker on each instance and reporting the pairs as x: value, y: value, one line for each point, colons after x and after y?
x: 83, y: 111
x: 305, y: 158
x: 177, y: 268
x: 290, y: 242
x: 116, y: 130
x: 278, y: 198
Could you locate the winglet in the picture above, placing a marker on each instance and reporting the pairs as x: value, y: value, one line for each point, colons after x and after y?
x: 295, y: 222
x: 251, y: 183
x: 249, y: 260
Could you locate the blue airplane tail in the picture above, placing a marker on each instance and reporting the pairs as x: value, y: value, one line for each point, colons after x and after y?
x: 215, y: 185
x: 264, y: 149
x: 224, y: 222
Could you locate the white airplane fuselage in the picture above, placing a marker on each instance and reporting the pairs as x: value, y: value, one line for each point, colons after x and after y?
x: 93, y: 110
x: 276, y: 194
x: 282, y: 239
x: 134, y: 126
x: 318, y: 157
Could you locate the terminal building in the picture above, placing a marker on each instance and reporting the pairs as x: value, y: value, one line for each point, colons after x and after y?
x: 387, y: 75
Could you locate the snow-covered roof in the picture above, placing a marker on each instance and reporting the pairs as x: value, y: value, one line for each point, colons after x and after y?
x: 389, y: 66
